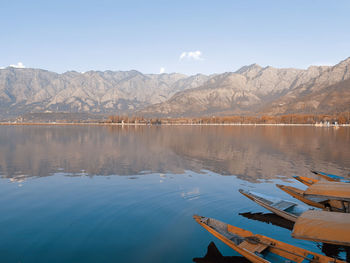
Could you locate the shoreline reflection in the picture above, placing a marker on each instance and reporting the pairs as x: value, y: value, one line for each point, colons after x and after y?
x: 250, y: 153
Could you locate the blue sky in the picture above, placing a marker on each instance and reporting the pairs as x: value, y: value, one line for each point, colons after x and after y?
x: 179, y: 36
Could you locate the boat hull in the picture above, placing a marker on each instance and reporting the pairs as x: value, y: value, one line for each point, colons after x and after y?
x: 322, y: 202
x: 306, y: 180
x: 298, y: 194
x: 331, y: 177
x: 245, y: 253
x: 273, y: 206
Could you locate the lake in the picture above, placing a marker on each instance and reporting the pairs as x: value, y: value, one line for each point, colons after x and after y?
x: 128, y: 193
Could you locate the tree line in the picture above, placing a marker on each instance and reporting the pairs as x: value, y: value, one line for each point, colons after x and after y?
x: 340, y: 118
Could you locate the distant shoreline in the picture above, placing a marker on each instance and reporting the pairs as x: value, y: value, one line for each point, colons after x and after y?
x: 165, y: 124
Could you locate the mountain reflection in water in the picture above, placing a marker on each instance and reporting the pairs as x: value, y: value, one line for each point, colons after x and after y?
x: 249, y: 152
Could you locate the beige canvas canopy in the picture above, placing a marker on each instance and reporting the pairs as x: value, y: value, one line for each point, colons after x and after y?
x: 323, y: 226
x: 331, y: 190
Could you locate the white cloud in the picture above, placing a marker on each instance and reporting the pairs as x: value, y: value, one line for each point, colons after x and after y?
x: 183, y: 55
x: 18, y: 65
x: 161, y: 70
x: 191, y: 55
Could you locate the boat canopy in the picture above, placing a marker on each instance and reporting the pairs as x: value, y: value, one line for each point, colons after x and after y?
x: 331, y: 190
x: 323, y: 226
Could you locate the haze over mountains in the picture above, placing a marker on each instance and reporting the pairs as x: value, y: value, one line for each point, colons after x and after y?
x: 250, y: 90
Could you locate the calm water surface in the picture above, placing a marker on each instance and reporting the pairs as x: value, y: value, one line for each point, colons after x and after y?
x: 127, y: 194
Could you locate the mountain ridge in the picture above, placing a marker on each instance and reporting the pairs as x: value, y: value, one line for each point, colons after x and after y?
x: 252, y: 89
x: 256, y: 90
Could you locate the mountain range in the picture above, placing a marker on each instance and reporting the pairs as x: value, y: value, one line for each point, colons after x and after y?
x: 250, y: 90
x: 264, y: 90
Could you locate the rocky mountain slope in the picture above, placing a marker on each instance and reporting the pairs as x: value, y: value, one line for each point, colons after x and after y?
x: 328, y: 93
x: 250, y: 90
x: 36, y: 90
x: 256, y: 90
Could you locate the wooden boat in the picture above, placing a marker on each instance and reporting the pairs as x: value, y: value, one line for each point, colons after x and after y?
x: 330, y: 196
x: 299, y: 194
x: 331, y: 177
x: 284, y: 208
x: 329, y: 248
x: 259, y: 248
x: 322, y: 226
x: 305, y: 180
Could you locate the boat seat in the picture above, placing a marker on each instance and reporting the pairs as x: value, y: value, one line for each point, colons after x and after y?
x: 317, y: 199
x: 254, y: 248
x: 309, y: 258
x: 283, y: 205
x: 236, y: 239
x: 262, y: 199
